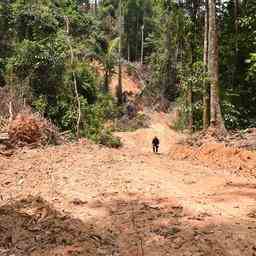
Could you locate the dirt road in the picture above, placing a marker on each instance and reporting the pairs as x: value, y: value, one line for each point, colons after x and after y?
x: 82, y: 199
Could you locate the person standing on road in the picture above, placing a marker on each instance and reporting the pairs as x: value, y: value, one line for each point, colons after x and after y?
x: 155, y: 144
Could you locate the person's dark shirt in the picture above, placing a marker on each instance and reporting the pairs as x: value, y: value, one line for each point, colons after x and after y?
x: 155, y: 141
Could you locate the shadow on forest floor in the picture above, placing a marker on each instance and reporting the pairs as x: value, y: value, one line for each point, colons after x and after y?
x: 133, y: 226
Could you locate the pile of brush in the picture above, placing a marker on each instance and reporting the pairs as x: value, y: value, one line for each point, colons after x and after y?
x: 29, y: 128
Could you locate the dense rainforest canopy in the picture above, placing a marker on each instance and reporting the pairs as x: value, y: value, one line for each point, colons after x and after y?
x: 201, y: 54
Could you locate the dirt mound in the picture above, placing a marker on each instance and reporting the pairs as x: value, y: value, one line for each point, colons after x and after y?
x: 217, y: 155
x: 241, y: 139
x: 28, y: 128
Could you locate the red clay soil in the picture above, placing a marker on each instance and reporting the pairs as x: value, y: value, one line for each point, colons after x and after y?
x: 129, y: 82
x: 217, y: 155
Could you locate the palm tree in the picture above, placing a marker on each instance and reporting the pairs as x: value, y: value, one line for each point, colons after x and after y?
x: 107, y: 58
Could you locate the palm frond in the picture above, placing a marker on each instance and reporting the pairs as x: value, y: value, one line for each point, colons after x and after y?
x: 113, y: 45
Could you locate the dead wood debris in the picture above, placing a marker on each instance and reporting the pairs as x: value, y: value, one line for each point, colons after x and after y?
x: 30, y: 128
x: 245, y: 139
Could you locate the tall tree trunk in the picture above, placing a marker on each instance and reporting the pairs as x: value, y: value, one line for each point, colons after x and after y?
x: 95, y: 7
x: 129, y: 51
x: 119, y: 91
x: 194, y: 7
x: 236, y: 7
x: 206, y: 96
x: 236, y: 14
x: 137, y: 39
x: 142, y: 44
x: 190, y: 93
x: 216, y: 120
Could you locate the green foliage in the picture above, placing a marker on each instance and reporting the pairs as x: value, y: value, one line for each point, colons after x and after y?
x: 182, y: 122
x: 82, y: 26
x: 40, y: 105
x: 108, y: 8
x: 106, y: 138
x: 251, y: 75
x: 237, y: 69
x: 35, y: 20
x: 170, y: 31
x: 194, y: 80
x: 86, y: 81
x: 39, y: 64
x: 105, y: 53
x: 130, y: 69
x: 93, y: 116
x: 191, y: 79
x: 135, y: 14
x: 231, y: 115
x: 237, y: 60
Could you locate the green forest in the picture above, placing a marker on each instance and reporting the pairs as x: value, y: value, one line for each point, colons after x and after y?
x: 200, y: 54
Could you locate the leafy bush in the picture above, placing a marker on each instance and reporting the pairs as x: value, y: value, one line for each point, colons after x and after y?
x: 182, y: 120
x: 35, y: 19
x: 106, y: 138
x: 40, y: 104
x: 251, y: 74
x: 231, y: 115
